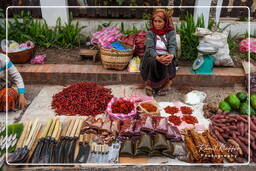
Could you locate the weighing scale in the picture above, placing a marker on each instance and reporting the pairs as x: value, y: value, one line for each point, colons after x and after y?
x: 204, y: 63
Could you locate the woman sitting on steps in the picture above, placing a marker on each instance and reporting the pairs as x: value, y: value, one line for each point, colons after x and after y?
x: 158, y: 64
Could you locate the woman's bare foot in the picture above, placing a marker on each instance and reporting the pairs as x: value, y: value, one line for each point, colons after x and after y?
x: 164, y: 90
x: 149, y: 91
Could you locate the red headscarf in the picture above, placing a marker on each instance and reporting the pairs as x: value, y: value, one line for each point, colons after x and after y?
x: 167, y: 17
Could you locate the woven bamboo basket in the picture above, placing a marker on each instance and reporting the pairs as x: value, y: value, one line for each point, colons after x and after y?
x: 116, y: 59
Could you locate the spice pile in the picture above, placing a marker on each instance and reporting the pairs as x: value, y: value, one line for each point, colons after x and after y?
x: 122, y: 106
x: 186, y: 115
x: 84, y: 98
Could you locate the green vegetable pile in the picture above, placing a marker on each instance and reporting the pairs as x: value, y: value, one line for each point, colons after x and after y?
x: 16, y: 129
x: 239, y: 102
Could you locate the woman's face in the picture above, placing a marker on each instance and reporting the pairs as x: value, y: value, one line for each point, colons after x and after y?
x: 158, y: 23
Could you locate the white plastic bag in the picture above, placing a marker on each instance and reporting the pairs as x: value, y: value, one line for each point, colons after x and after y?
x: 202, y: 31
x: 134, y: 65
x: 219, y: 40
x: 11, y: 44
x: 194, y: 97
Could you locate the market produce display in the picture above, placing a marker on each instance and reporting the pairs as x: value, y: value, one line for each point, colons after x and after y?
x: 203, y: 148
x: 150, y: 107
x: 121, y: 108
x: 9, y: 141
x: 113, y: 128
x: 239, y: 102
x: 84, y: 98
x: 233, y: 130
x: 184, y: 116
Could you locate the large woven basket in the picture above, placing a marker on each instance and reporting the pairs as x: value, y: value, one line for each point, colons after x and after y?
x: 21, y: 57
x: 116, y: 59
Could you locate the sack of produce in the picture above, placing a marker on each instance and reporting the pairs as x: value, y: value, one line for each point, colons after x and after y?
x: 122, y: 108
x: 150, y: 107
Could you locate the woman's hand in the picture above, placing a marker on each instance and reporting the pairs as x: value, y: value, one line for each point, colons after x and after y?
x: 22, y: 101
x: 165, y: 59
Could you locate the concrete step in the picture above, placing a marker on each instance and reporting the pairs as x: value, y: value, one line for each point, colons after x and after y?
x: 63, y: 74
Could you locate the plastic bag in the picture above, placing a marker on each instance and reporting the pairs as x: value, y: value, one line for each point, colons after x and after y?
x: 147, y: 123
x: 202, y: 31
x: 128, y: 128
x: 194, y: 97
x: 219, y: 40
x: 161, y: 124
x: 11, y: 44
x: 134, y: 65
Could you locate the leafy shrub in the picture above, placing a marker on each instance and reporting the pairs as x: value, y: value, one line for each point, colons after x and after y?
x: 24, y: 28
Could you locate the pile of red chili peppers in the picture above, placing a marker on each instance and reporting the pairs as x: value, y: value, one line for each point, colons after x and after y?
x: 189, y: 119
x: 122, y: 106
x: 186, y: 110
x: 84, y: 98
x: 171, y: 110
x: 175, y: 120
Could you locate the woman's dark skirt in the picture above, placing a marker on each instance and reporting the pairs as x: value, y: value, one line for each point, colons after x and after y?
x: 156, y: 74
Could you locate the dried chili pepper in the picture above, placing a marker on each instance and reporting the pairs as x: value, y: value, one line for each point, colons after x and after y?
x: 122, y: 106
x: 189, y: 119
x: 84, y: 98
x: 186, y: 110
x: 149, y: 107
x: 175, y: 120
x: 171, y: 110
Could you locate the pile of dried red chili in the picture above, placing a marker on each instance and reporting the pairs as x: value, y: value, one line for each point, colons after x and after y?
x: 186, y: 110
x: 175, y: 120
x: 171, y: 110
x: 122, y: 106
x: 84, y: 98
x: 149, y: 107
x: 189, y: 119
